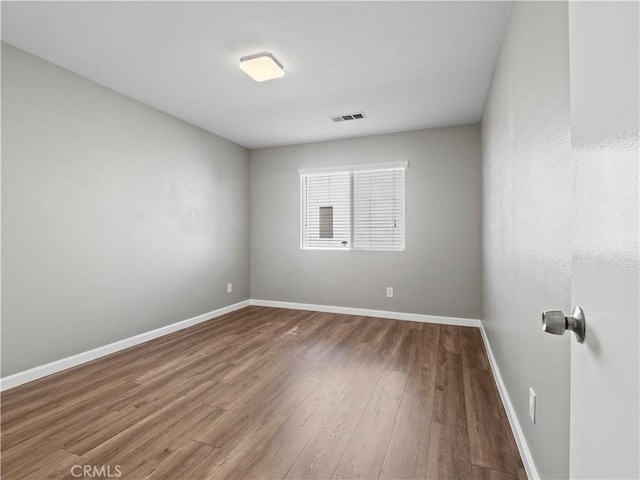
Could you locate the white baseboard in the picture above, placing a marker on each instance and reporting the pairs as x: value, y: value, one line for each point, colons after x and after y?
x: 412, y: 317
x: 65, y: 363
x: 523, y: 447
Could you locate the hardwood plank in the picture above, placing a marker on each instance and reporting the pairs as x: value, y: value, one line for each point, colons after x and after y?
x: 278, y: 401
x: 448, y: 453
x: 243, y: 441
x: 482, y: 473
x: 88, y: 436
x: 345, y: 414
x: 39, y: 463
x: 198, y: 416
x: 322, y: 348
x: 192, y: 460
x: 449, y: 339
x: 472, y: 348
x: 377, y: 328
x: 335, y: 378
x: 408, y: 450
x: 242, y: 448
x: 321, y: 455
x: 403, y: 353
x: 422, y: 376
x: 275, y: 459
x: 449, y: 398
x: 30, y: 425
x: 387, y: 351
x: 365, y: 451
x: 56, y: 434
x: 184, y: 365
x: 160, y: 391
x: 152, y: 436
x: 268, y: 375
x: 487, y: 435
x: 84, y: 438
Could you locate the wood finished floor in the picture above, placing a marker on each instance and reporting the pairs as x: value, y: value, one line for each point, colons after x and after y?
x: 270, y: 393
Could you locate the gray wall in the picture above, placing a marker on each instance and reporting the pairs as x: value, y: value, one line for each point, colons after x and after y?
x: 116, y: 218
x: 438, y: 274
x: 526, y: 151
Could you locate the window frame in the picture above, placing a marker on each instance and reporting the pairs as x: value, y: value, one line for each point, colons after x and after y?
x: 304, y: 172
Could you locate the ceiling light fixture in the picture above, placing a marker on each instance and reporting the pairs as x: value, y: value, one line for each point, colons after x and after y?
x: 261, y: 66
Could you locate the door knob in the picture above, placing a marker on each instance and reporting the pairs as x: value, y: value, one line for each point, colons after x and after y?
x: 555, y: 322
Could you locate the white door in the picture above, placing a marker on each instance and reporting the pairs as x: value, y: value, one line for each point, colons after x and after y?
x: 604, y: 52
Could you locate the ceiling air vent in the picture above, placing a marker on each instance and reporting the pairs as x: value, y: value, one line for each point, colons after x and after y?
x: 348, y: 116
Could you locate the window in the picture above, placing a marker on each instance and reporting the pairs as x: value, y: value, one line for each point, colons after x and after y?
x: 355, y: 208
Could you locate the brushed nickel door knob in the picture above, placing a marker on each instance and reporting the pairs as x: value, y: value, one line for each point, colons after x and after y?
x: 556, y: 323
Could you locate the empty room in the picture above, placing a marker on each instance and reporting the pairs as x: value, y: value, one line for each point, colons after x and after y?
x: 333, y: 240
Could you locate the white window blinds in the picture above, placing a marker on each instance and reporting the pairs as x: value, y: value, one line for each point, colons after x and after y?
x: 327, y: 209
x: 378, y: 209
x: 357, y: 208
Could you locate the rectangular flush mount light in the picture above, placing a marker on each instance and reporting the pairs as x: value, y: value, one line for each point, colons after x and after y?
x: 262, y: 66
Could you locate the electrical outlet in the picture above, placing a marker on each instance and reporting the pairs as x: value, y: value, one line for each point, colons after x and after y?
x: 532, y: 405
x: 389, y: 292
x: 229, y: 287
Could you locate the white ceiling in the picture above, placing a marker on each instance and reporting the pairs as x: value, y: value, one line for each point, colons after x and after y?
x: 407, y: 65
